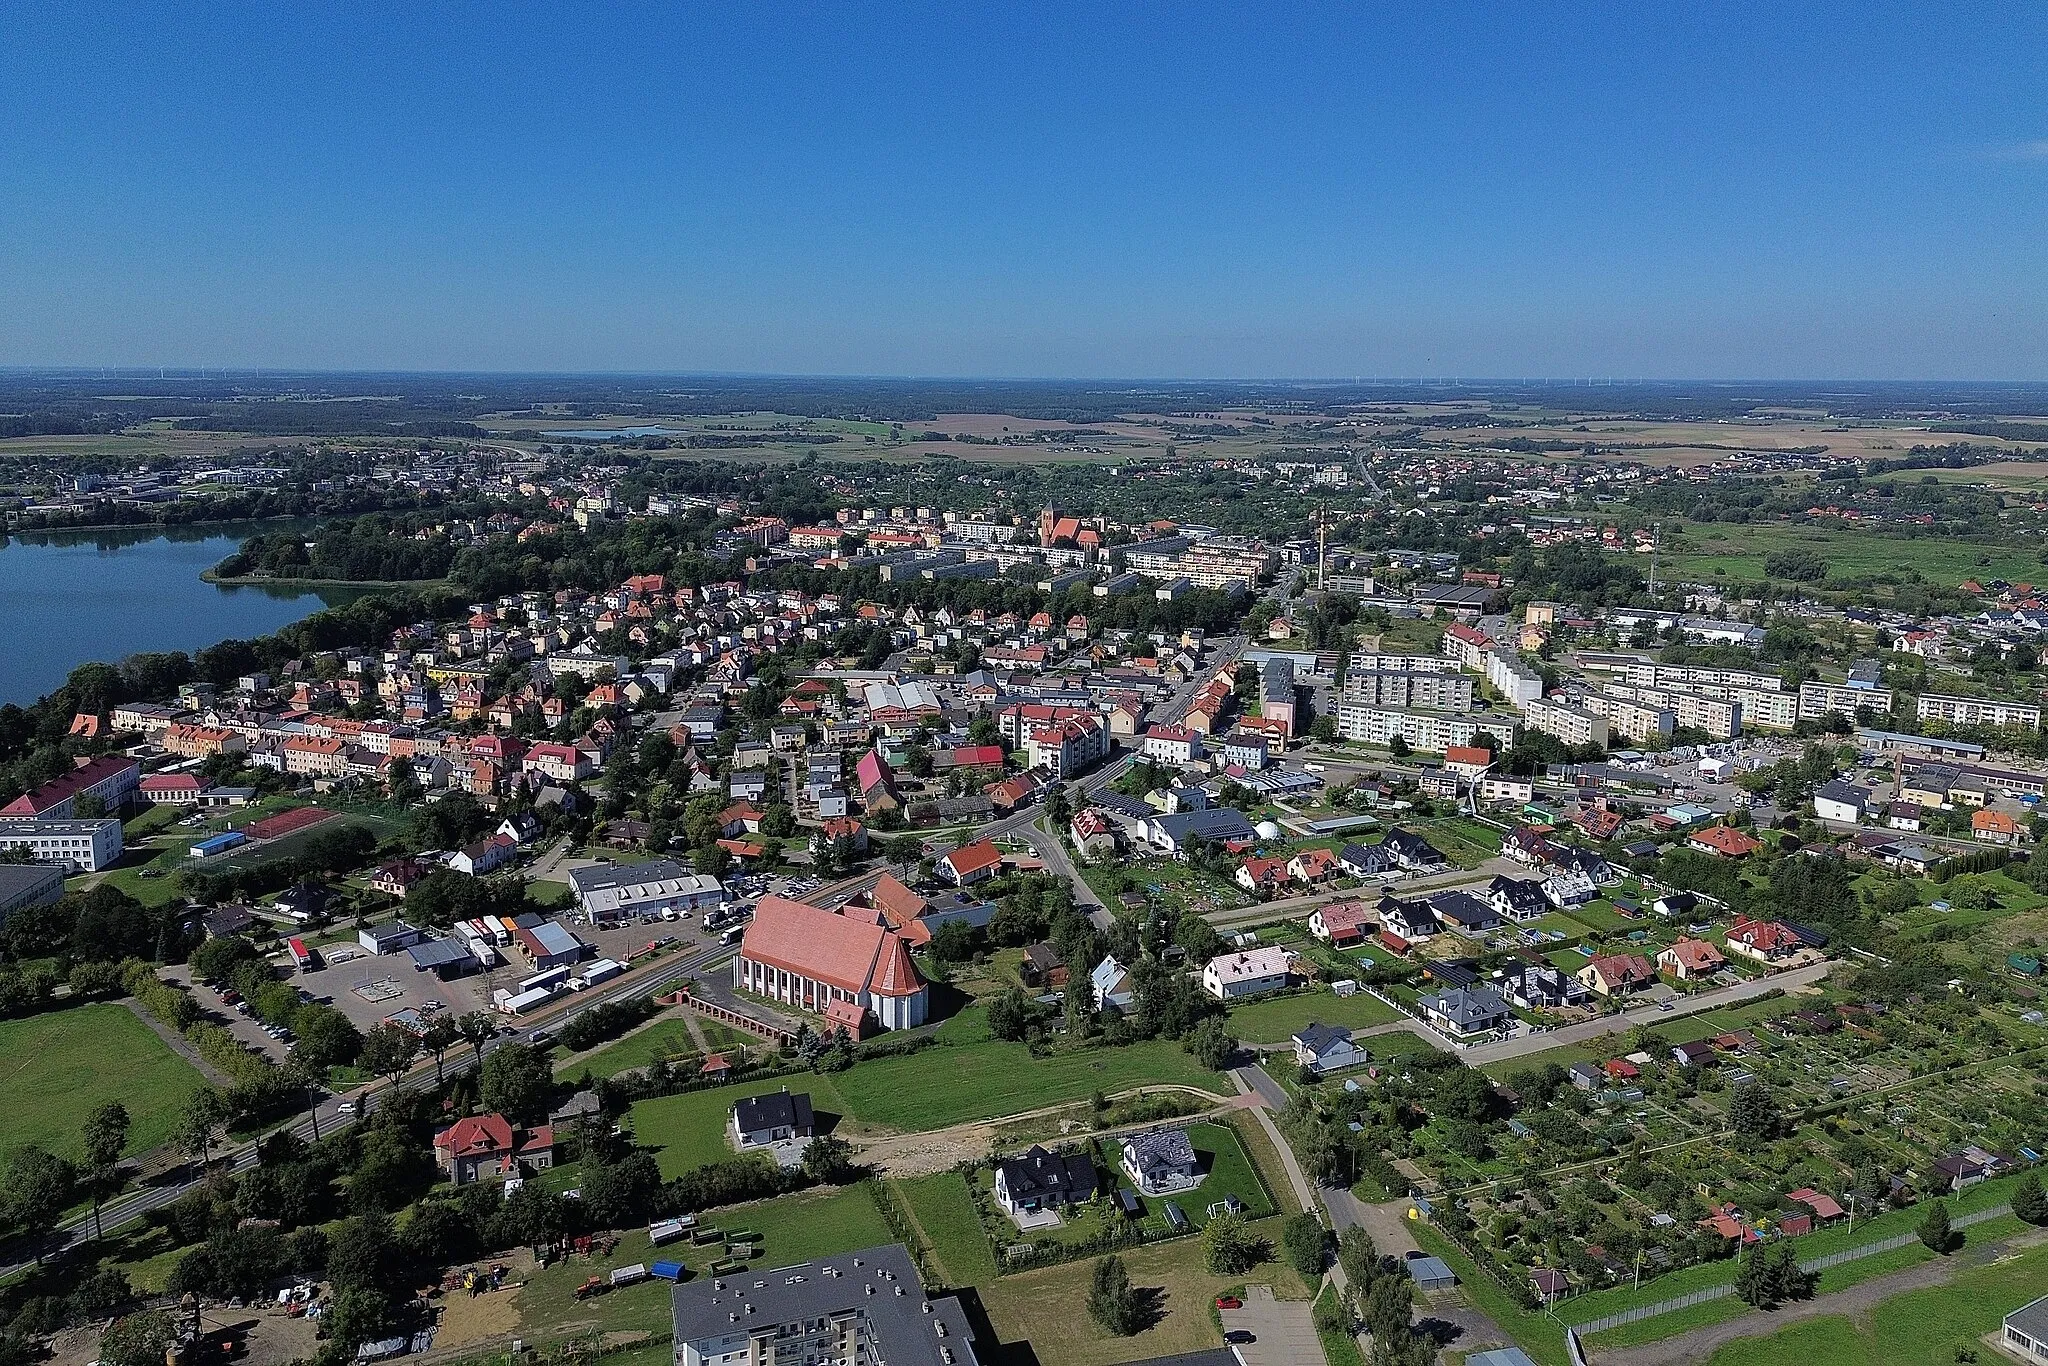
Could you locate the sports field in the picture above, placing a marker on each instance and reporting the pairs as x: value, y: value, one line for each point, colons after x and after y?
x: 55, y: 1068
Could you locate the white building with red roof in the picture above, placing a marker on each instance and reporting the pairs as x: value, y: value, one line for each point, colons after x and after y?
x: 479, y: 1147
x: 809, y: 958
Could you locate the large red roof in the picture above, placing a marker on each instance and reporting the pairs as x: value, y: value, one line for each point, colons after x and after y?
x: 839, y: 950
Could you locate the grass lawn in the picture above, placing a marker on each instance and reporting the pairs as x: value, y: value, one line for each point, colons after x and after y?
x: 988, y: 1079
x: 1929, y: 1327
x: 1464, y: 841
x: 57, y: 1066
x: 946, y: 1213
x: 1043, y: 1306
x: 689, y: 1129
x: 793, y: 1228
x: 1739, y: 552
x: 1339, y: 1347
x: 665, y: 1038
x: 1276, y: 1020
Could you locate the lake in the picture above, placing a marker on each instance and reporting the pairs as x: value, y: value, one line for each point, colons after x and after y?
x: 69, y: 597
x: 615, y: 433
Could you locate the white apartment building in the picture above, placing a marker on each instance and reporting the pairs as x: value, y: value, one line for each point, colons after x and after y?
x: 1977, y: 711
x: 1641, y: 722
x: 1435, y: 731
x: 1817, y: 699
x: 1409, y: 688
x: 1573, y: 725
x: 85, y: 846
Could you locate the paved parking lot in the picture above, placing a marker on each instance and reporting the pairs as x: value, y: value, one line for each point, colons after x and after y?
x: 1283, y: 1332
x: 369, y: 988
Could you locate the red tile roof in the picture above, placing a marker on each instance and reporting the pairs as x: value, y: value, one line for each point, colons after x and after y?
x: 838, y: 950
x: 972, y: 858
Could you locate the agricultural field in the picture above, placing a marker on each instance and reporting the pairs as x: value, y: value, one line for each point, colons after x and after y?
x: 55, y: 1068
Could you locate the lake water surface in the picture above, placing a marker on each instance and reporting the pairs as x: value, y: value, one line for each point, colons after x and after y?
x: 69, y: 597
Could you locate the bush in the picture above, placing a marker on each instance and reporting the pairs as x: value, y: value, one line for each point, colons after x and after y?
x: 1306, y: 1244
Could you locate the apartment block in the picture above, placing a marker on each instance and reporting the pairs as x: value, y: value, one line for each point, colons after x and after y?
x: 1977, y: 711
x: 1640, y: 721
x: 1434, y: 731
x: 1408, y: 688
x: 1817, y: 699
x: 1573, y: 725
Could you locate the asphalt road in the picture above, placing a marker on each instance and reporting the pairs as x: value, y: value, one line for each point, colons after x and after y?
x: 328, y: 1113
x: 1650, y: 1015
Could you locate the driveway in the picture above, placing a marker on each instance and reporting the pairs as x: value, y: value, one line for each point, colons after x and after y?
x: 1283, y: 1331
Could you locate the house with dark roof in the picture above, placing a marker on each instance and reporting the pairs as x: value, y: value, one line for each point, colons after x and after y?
x: 1366, y: 860
x: 779, y: 1116
x: 1412, y: 852
x: 1326, y: 1048
x: 1465, y: 914
x: 1161, y: 1162
x: 1042, y: 1180
x: 1518, y: 899
x: 1465, y: 1010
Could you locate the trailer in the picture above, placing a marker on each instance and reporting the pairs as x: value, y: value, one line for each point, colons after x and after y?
x: 303, y: 958
x: 603, y: 970
x: 629, y: 1275
x: 668, y: 1271
x: 668, y: 1230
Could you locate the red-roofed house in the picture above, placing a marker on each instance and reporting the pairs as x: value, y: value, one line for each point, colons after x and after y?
x: 808, y: 957
x: 482, y: 1146
x: 1725, y: 841
x: 1467, y: 761
x: 1342, y: 923
x: 1765, y: 939
x: 1262, y: 874
x: 1689, y: 958
x: 970, y: 863
x: 1824, y: 1207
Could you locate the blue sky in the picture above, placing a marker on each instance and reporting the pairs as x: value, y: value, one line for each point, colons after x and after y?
x: 1677, y: 191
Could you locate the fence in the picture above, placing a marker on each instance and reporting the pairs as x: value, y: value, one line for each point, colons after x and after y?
x: 1808, y: 1264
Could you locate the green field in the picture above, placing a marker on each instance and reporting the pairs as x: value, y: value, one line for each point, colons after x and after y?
x: 1929, y: 1327
x: 1738, y: 551
x: 55, y: 1068
x: 665, y: 1038
x: 957, y: 1082
x: 946, y: 1213
x: 689, y: 1129
x: 1275, y: 1020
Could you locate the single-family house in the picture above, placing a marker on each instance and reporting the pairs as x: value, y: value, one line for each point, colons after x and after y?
x: 1248, y: 972
x: 1041, y: 1180
x: 1342, y: 924
x: 1326, y: 1048
x: 1723, y: 841
x: 1690, y: 958
x: 1161, y: 1162
x: 779, y: 1116
x: 1617, y: 974
x: 1463, y: 1011
x: 1113, y: 985
x: 970, y: 863
x: 1366, y: 860
x: 1518, y: 899
x: 1412, y: 852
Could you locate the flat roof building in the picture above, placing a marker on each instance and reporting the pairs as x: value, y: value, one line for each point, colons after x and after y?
x: 867, y: 1306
